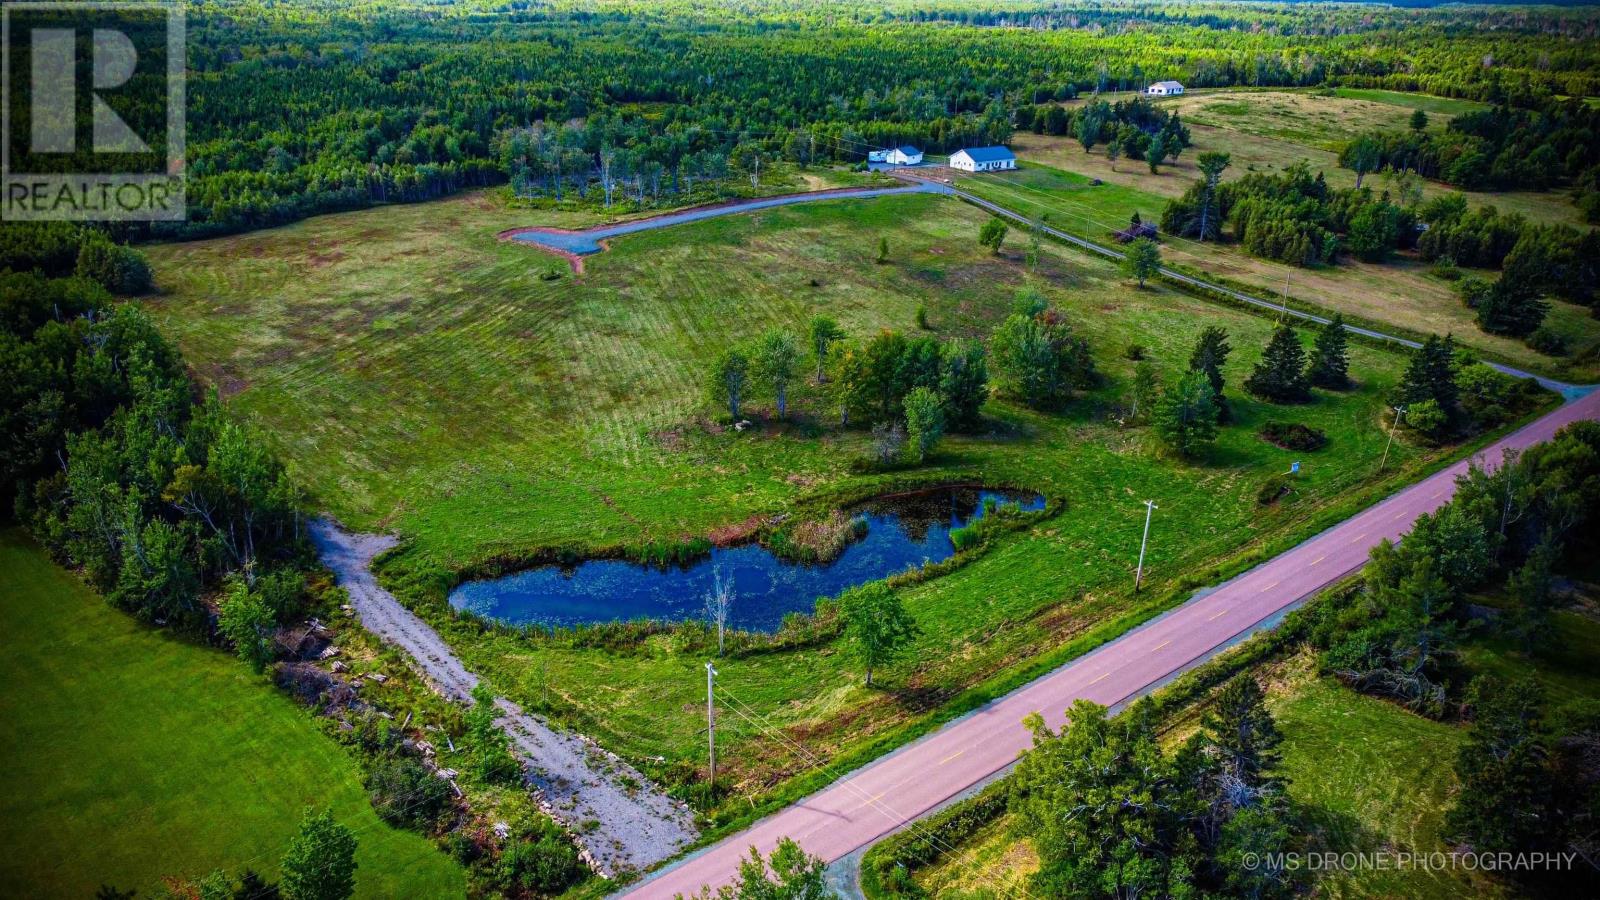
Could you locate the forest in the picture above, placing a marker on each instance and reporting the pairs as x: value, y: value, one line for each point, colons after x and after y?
x: 321, y: 107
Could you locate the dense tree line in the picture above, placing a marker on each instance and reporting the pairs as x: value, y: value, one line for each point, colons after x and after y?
x: 1111, y: 814
x: 1526, y: 784
x: 1135, y: 129
x: 319, y: 106
x: 1501, y: 148
x: 1294, y: 217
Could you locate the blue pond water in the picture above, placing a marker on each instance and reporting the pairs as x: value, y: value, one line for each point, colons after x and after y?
x: 584, y: 242
x: 901, y: 531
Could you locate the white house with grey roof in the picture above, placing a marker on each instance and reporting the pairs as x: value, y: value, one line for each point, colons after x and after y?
x: 904, y: 156
x: 1164, y: 89
x: 983, y: 159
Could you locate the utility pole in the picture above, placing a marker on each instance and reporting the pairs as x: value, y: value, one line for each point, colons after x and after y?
x: 1138, y: 576
x: 1399, y: 413
x: 711, y: 728
x: 1283, y: 306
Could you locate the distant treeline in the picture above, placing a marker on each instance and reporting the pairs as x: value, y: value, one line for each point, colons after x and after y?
x: 319, y: 106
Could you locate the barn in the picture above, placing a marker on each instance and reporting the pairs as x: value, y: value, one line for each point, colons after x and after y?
x: 983, y: 159
x: 1164, y: 89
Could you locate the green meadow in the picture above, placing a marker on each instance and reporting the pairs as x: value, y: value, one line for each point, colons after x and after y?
x: 432, y: 383
x: 133, y: 757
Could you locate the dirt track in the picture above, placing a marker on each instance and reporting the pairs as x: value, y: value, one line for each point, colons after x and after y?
x: 577, y: 781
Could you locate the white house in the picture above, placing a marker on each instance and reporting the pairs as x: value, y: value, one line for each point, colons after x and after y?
x: 1164, y: 89
x: 983, y: 159
x: 904, y: 156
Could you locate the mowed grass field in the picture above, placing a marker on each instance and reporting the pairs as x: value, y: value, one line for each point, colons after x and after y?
x: 131, y: 757
x: 1400, y: 292
x: 423, y: 378
x: 1266, y: 131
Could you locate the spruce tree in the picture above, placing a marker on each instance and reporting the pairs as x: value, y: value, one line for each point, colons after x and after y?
x: 1431, y: 375
x: 1186, y: 416
x: 1280, y: 376
x: 1209, y: 356
x: 1330, y: 359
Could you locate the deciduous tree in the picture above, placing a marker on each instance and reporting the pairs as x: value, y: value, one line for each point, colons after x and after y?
x: 321, y: 862
x: 877, y: 627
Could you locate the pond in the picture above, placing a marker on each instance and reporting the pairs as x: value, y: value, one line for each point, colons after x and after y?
x: 902, y: 531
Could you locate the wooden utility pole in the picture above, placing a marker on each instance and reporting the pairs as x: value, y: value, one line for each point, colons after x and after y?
x: 711, y: 727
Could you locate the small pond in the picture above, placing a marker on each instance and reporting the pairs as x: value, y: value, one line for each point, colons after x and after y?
x: 902, y: 531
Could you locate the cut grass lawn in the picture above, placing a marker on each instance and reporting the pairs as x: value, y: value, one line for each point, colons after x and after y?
x: 1400, y: 293
x: 422, y: 378
x: 130, y: 756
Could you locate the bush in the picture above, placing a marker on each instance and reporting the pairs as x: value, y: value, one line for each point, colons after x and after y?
x: 542, y: 862
x: 117, y: 268
x: 1272, y: 489
x: 1427, y: 417
x: 1293, y: 436
x: 407, y: 795
x: 1134, y: 352
x: 1548, y: 341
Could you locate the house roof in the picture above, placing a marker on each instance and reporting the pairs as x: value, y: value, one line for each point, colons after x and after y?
x: 988, y: 154
x: 909, y: 150
x: 1169, y: 85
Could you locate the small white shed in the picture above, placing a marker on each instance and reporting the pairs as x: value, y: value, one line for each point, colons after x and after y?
x: 1164, y: 89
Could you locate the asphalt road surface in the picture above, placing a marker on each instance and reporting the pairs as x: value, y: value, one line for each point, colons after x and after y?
x: 883, y: 796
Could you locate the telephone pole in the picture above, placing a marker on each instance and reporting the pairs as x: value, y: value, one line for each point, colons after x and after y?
x: 1138, y: 576
x: 1399, y: 413
x: 711, y: 727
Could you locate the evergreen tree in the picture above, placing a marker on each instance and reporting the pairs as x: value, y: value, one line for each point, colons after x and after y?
x: 1511, y: 307
x: 1242, y: 732
x: 1124, y: 835
x: 1186, y: 417
x: 1280, y: 376
x: 1505, y: 801
x: 1330, y: 358
x: 1431, y: 375
x: 1210, y: 355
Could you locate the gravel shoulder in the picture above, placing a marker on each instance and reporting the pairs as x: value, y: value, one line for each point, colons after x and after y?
x: 576, y: 781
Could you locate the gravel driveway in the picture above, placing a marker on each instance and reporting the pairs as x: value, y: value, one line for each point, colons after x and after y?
x: 576, y: 780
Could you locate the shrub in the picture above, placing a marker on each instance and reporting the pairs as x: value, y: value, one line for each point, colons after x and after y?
x: 1272, y: 489
x: 541, y: 862
x: 1134, y: 352
x: 1427, y: 417
x: 407, y: 795
x: 1548, y: 341
x: 1293, y: 436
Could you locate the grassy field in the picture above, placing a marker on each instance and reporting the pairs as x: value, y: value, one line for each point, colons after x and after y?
x: 423, y: 378
x: 1401, y: 292
x: 130, y: 757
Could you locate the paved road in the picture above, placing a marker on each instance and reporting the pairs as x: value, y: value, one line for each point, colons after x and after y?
x: 879, y: 798
x: 589, y: 240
